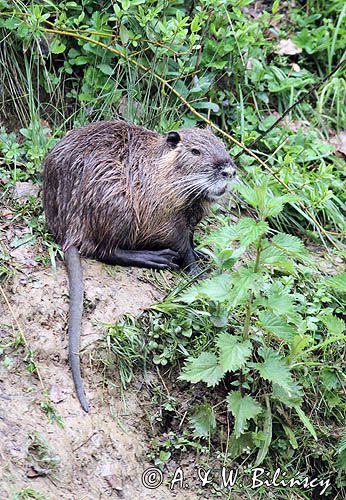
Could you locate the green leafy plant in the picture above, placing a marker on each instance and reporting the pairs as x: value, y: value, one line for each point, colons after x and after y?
x: 270, y: 331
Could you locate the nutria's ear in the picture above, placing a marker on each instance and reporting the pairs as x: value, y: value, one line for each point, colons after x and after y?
x: 173, y: 138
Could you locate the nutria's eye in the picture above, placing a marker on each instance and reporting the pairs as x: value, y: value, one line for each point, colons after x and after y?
x: 195, y: 152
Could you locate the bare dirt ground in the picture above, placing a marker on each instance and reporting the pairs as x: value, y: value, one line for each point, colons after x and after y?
x: 102, y: 454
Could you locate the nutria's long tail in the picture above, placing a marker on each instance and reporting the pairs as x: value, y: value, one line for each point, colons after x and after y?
x: 75, y: 276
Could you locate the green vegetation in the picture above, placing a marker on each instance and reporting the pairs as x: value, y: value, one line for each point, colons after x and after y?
x: 27, y: 494
x: 41, y: 456
x: 255, y: 352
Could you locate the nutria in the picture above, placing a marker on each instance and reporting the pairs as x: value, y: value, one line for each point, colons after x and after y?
x: 122, y: 194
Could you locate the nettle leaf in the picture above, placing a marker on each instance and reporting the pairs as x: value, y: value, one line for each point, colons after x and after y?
x: 248, y: 193
x: 289, y: 244
x: 335, y: 325
x: 275, y: 257
x: 280, y: 300
x: 243, y: 281
x: 229, y: 256
x: 341, y: 460
x: 338, y: 282
x: 291, y: 399
x: 275, y: 369
x: 237, y: 446
x: 216, y: 288
x: 233, y: 352
x: 279, y: 327
x: 205, y: 368
x: 222, y: 237
x: 243, y: 408
x: 203, y: 420
x: 276, y: 204
x: 298, y: 345
x: 249, y: 230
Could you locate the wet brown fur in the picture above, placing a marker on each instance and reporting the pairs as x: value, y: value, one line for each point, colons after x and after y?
x: 115, y: 185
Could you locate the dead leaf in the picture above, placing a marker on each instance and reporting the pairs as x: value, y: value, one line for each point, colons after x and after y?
x: 339, y: 144
x: 57, y: 394
x: 287, y: 48
x: 47, y: 130
x: 24, y: 255
x: 36, y: 471
x: 22, y: 190
x: 249, y: 64
x: 6, y: 213
x: 115, y: 482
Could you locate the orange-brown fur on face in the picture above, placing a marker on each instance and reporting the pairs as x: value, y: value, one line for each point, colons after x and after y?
x: 116, y: 185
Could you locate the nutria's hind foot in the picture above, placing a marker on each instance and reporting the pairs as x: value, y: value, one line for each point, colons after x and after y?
x: 158, y: 259
x: 201, y: 256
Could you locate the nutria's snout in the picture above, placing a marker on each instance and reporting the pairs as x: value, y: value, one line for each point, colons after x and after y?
x: 228, y: 170
x: 225, y: 167
x: 225, y: 175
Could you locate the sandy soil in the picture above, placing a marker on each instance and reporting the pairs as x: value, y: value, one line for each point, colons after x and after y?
x: 101, y: 454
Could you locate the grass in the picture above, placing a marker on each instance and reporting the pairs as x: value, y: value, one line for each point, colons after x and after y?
x: 221, y: 61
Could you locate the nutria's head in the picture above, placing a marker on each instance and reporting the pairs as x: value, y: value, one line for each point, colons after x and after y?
x: 205, y: 170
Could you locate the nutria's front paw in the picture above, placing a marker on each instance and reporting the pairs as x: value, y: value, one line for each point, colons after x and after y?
x: 163, y: 259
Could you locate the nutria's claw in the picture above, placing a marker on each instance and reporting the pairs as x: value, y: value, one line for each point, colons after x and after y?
x: 162, y: 259
x: 168, y: 252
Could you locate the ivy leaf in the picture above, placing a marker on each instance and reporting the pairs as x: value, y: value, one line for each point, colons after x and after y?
x: 277, y: 326
x: 335, y: 325
x: 57, y: 47
x: 207, y: 105
x: 275, y: 369
x: 338, y: 282
x: 203, y: 420
x: 205, y: 368
x: 243, y: 408
x: 291, y: 245
x: 233, y: 353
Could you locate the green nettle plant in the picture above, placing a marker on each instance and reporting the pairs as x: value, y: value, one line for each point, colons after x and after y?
x: 267, y: 327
